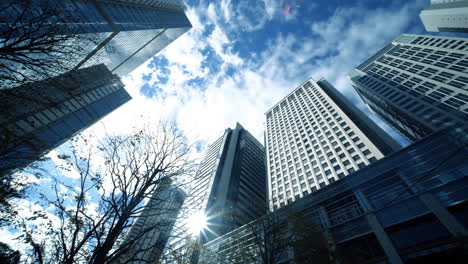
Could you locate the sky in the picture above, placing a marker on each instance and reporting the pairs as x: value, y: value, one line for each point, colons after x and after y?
x: 242, y: 57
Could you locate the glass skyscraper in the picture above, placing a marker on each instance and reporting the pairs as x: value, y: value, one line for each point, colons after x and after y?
x: 38, y: 117
x: 229, y: 188
x: 315, y: 137
x: 409, y: 207
x: 446, y: 16
x: 148, y: 235
x: 122, y: 34
x: 417, y: 83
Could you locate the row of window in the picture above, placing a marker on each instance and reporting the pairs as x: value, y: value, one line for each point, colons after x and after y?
x: 446, y: 43
x: 307, y: 158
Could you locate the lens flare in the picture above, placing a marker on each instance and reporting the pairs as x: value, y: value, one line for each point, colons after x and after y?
x: 197, y: 222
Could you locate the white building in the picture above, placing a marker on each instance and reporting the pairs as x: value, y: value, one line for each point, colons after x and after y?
x: 314, y: 137
x: 417, y: 83
x: 446, y: 16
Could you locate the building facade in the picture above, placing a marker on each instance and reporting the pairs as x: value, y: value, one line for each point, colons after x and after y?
x: 229, y: 188
x: 35, y: 118
x: 122, y: 34
x: 446, y: 16
x: 314, y: 137
x: 148, y: 235
x: 408, y: 207
x: 417, y: 83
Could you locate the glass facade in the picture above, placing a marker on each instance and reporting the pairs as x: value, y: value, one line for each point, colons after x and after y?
x: 39, y: 117
x: 148, y: 235
x: 418, y: 84
x: 395, y: 191
x: 120, y: 34
x: 229, y: 188
x: 315, y: 137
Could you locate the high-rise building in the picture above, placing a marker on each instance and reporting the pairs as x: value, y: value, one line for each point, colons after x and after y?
x: 37, y: 117
x: 122, y: 34
x: 408, y: 207
x: 417, y: 83
x: 314, y: 137
x: 446, y: 16
x: 229, y: 187
x: 148, y: 235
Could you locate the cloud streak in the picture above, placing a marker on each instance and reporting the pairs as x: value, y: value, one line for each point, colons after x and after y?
x: 210, y: 82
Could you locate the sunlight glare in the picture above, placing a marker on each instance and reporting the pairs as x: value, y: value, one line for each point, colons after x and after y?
x: 197, y: 223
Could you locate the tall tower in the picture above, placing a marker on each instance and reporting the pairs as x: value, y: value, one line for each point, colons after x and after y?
x: 446, y: 16
x: 149, y: 234
x: 417, y: 83
x: 122, y: 34
x: 38, y: 117
x: 229, y: 188
x: 314, y: 137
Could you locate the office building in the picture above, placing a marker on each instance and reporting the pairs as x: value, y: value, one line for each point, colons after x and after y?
x: 446, y: 16
x: 408, y: 207
x: 417, y: 83
x: 37, y: 117
x: 314, y: 137
x: 122, y: 34
x: 229, y: 188
x: 148, y: 235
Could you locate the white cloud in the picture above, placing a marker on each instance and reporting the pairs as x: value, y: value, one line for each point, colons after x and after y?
x: 203, y: 109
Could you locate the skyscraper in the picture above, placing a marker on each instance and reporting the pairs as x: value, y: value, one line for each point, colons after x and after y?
x: 121, y: 34
x: 229, y: 187
x: 148, y: 235
x: 446, y: 16
x: 408, y: 207
x: 38, y: 117
x: 314, y: 137
x: 417, y: 83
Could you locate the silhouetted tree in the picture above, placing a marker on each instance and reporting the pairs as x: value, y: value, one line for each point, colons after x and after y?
x: 275, y: 238
x: 8, y: 255
x: 90, y: 219
x: 38, y: 39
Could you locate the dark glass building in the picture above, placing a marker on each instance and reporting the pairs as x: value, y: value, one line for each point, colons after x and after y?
x: 229, y: 187
x: 122, y: 34
x: 148, y: 235
x: 408, y: 207
x: 37, y: 117
x: 418, y: 84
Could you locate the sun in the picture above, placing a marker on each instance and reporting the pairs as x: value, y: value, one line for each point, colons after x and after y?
x: 197, y: 222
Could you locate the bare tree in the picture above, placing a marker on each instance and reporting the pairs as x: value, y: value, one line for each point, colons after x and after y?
x: 183, y: 252
x: 278, y: 237
x: 8, y: 255
x: 23, y: 143
x: 90, y: 218
x: 39, y: 39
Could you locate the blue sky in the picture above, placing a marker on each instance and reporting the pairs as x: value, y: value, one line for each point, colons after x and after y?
x: 242, y: 56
